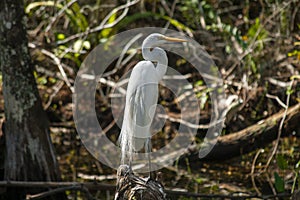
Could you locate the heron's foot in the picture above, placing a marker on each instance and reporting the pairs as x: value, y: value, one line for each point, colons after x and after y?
x: 147, y: 180
x: 124, y: 170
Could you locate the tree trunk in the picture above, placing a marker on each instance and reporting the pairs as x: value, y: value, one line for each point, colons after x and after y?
x: 30, y: 154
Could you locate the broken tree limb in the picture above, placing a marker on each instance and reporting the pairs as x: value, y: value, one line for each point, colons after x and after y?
x: 130, y: 186
x: 252, y: 137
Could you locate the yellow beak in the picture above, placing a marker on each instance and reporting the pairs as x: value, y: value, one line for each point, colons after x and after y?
x: 171, y: 39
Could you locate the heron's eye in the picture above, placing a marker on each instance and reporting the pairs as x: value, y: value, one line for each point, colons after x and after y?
x: 151, y: 48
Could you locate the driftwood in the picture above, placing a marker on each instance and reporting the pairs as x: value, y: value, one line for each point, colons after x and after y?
x: 252, y: 137
x: 130, y: 186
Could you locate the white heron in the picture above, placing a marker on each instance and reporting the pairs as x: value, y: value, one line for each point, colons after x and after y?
x: 141, y: 97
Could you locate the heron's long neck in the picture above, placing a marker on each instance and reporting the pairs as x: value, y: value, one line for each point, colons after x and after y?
x: 157, y: 55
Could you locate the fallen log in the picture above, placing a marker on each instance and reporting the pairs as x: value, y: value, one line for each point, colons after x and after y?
x: 252, y: 137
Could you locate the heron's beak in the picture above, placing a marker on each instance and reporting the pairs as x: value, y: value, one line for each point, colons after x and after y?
x: 171, y: 39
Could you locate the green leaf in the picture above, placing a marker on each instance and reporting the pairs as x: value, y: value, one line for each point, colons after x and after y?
x: 252, y: 32
x: 80, y: 19
x: 198, y: 180
x: 297, y: 165
x: 289, y: 91
x: 42, y: 80
x: 87, y: 45
x: 60, y: 36
x: 77, y: 46
x: 203, y: 100
x: 105, y: 33
x: 177, y: 24
x: 199, y: 83
x: 282, y: 162
x: 279, y: 183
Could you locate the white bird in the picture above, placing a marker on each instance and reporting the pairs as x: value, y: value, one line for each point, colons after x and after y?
x: 141, y: 97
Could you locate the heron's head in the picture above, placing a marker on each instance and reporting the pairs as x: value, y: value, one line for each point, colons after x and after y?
x: 156, y: 39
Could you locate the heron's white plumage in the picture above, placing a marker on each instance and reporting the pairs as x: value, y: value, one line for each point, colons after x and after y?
x: 142, y: 95
x: 141, y: 100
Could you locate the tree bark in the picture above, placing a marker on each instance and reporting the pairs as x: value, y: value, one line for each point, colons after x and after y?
x: 29, y: 154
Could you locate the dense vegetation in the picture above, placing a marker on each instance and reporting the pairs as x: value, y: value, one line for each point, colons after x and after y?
x: 255, y: 45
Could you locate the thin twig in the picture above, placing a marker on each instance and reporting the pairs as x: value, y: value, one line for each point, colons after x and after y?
x: 58, y: 63
x: 280, y: 126
x: 186, y: 123
x: 277, y: 99
x: 56, y: 89
x: 60, y: 67
x: 294, y: 16
x: 60, y: 190
x: 124, y: 51
x: 58, y: 14
x: 253, y: 169
x: 271, y: 185
x: 169, y: 11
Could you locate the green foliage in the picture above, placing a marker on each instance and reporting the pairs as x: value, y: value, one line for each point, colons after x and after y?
x: 282, y: 162
x: 78, y: 20
x: 279, y: 183
x: 257, y: 33
x: 296, y: 52
x: 105, y: 33
x: 177, y: 24
x: 191, y: 12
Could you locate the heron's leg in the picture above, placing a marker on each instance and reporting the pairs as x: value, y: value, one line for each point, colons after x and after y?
x: 130, y: 163
x: 148, y: 150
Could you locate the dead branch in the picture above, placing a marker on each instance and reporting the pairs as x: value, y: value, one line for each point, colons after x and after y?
x: 60, y: 190
x: 85, y: 187
x: 130, y: 186
x: 48, y: 184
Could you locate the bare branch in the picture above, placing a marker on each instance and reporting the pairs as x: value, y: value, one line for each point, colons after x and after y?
x: 60, y: 67
x: 58, y: 14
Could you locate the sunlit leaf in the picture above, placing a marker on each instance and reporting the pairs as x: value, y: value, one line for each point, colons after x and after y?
x: 60, y: 36
x: 198, y: 180
x: 77, y: 46
x: 80, y: 19
x: 105, y: 33
x: 199, y: 83
x: 178, y: 25
x: 297, y: 165
x: 86, y: 45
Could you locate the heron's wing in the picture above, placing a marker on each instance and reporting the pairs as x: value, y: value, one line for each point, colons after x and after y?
x: 141, y: 102
x: 136, y: 113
